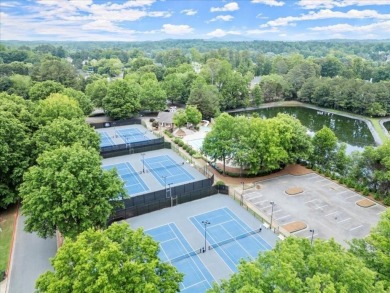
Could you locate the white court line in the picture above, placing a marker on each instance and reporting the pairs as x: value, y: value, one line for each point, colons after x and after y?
x: 277, y: 219
x: 357, y: 227
x: 351, y: 196
x: 331, y: 213
x: 321, y: 207
x: 347, y: 219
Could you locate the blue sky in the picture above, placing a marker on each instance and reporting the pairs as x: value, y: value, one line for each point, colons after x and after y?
x: 140, y: 20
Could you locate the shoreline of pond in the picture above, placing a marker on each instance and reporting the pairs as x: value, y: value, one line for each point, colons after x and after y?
x: 374, y: 133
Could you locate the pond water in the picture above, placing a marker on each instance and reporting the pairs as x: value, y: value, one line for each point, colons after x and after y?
x: 387, y: 125
x: 354, y: 133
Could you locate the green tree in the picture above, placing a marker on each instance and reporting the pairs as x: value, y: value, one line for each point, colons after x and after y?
x: 14, y: 156
x: 296, y: 266
x: 68, y: 191
x: 218, y: 143
x: 96, y: 91
x: 55, y: 106
x: 53, y: 68
x: 257, y: 95
x: 63, y: 132
x: 118, y: 260
x: 193, y: 115
x: 324, y: 148
x: 122, y: 99
x: 205, y: 98
x: 111, y: 67
x: 275, y: 88
x: 374, y: 249
x: 84, y: 101
x: 153, y: 97
x: 180, y: 118
x: 174, y: 87
x: 41, y: 90
x: 20, y: 85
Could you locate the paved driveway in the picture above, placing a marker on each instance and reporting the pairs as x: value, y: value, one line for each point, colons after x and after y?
x: 30, y: 259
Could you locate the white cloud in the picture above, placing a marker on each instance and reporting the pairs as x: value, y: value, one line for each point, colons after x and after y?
x: 222, y: 17
x: 9, y: 4
x: 383, y: 26
x: 317, y: 4
x: 268, y: 2
x: 232, y: 6
x: 261, y: 32
x: 164, y: 14
x: 218, y: 33
x: 172, y: 29
x: 189, y: 12
x: 326, y: 14
x: 261, y: 16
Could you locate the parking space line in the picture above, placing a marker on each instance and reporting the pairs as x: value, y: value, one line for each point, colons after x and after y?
x: 347, y: 219
x: 315, y: 234
x: 318, y: 181
x: 351, y: 196
x: 321, y: 207
x: 310, y: 200
x: 357, y: 227
x: 338, y: 193
x: 331, y: 213
x: 282, y: 217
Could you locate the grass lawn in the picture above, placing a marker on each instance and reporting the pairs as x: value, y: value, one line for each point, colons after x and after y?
x: 379, y: 129
x: 7, y: 219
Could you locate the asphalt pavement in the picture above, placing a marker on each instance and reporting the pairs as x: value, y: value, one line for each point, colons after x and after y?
x: 30, y: 258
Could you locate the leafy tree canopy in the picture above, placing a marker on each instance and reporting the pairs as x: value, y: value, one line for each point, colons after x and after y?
x: 122, y: 99
x: 68, y: 190
x: 64, y: 132
x: 83, y: 100
x: 117, y: 260
x: 42, y: 90
x: 14, y: 156
x: 374, y: 249
x: 296, y: 266
x: 55, y: 106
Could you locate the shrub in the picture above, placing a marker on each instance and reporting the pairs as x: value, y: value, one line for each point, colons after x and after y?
x: 386, y: 201
x: 180, y: 142
x: 193, y: 153
x: 365, y: 191
x: 219, y: 182
x: 152, y: 120
x: 155, y: 124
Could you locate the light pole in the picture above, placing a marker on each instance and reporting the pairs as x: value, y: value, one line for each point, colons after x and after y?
x: 165, y: 185
x: 170, y: 193
x: 312, y: 235
x: 143, y: 162
x: 205, y: 223
x: 272, y: 212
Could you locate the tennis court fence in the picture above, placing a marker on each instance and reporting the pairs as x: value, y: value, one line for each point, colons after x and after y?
x: 157, y: 200
x: 134, y: 148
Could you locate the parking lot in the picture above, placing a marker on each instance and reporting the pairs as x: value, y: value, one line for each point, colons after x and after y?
x: 326, y: 207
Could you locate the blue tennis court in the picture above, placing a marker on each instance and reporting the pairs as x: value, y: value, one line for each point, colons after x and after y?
x: 231, y: 238
x: 175, y: 249
x: 105, y: 140
x: 165, y: 166
x: 133, y: 182
x: 129, y: 135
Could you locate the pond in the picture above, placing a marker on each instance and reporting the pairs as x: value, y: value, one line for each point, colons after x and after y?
x: 387, y: 125
x: 354, y: 133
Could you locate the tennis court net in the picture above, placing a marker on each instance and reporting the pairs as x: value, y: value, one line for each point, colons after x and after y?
x: 186, y: 255
x: 250, y: 233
